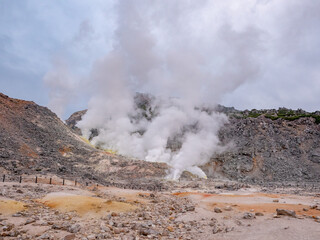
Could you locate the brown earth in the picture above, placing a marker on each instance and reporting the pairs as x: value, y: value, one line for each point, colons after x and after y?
x: 36, y: 211
x: 34, y: 141
x: 256, y: 202
x: 133, y: 199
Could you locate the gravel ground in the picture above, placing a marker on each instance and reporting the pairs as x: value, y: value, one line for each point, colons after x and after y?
x: 42, y: 211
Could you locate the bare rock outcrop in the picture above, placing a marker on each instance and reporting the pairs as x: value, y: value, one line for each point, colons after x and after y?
x: 269, y: 150
x: 33, y: 140
x: 264, y: 145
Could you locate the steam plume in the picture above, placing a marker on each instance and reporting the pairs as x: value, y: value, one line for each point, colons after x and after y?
x: 173, y: 51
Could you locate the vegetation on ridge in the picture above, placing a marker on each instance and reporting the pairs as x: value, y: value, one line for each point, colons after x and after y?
x: 281, y: 113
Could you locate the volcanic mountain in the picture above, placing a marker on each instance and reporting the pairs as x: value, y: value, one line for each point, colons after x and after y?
x: 33, y: 140
x: 265, y: 145
x: 33, y: 135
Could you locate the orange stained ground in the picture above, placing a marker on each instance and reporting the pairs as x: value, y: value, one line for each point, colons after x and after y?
x: 267, y: 208
x: 205, y: 195
x: 64, y: 150
x: 264, y: 202
x: 131, y: 196
x: 8, y: 207
x: 26, y: 150
x: 85, y: 205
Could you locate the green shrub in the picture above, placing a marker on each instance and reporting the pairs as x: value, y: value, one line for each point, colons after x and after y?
x: 254, y: 114
x: 317, y: 118
x: 272, y: 117
x: 292, y: 118
x: 282, y: 112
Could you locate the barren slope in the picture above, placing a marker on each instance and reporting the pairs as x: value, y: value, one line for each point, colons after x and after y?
x: 266, y: 146
x: 266, y: 150
x: 33, y: 140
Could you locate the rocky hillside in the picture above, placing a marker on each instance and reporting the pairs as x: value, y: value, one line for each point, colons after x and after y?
x: 265, y: 145
x: 269, y: 150
x: 33, y: 140
x: 32, y: 137
x: 74, y: 119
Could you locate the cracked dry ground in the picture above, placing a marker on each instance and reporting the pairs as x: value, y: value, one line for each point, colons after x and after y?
x: 41, y: 211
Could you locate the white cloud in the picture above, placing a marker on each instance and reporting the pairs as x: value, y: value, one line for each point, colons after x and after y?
x: 35, y: 32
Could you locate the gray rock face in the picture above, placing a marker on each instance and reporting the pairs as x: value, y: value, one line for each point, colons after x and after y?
x: 33, y: 140
x: 315, y: 156
x: 261, y: 149
x: 268, y: 150
x: 74, y: 119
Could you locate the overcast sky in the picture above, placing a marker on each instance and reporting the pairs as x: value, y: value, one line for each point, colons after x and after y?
x: 37, y: 37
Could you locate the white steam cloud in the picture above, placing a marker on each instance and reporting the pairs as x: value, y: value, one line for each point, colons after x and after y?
x: 61, y: 83
x: 185, y: 58
x: 188, y: 54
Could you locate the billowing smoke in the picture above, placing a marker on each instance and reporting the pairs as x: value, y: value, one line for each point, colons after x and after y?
x: 188, y: 55
x: 186, y: 59
x: 61, y: 83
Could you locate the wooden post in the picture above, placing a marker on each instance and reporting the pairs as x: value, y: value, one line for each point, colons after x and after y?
x: 4, y: 177
x: 36, y: 179
x: 75, y: 182
x: 50, y: 181
x: 62, y: 181
x: 20, y: 179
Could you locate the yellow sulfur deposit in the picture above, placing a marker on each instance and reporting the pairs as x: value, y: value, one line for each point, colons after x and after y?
x: 8, y: 207
x: 85, y: 205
